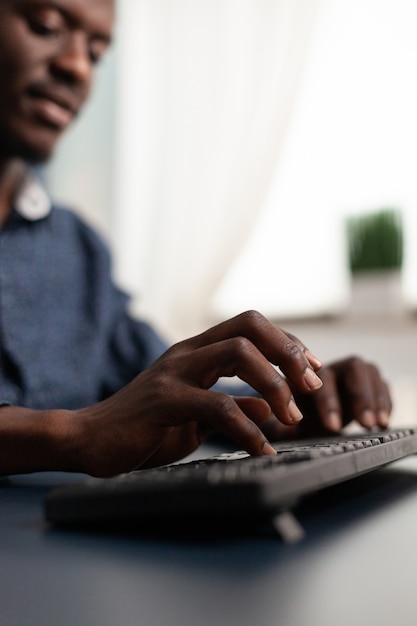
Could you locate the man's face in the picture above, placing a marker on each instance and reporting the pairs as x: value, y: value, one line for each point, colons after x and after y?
x: 48, y: 50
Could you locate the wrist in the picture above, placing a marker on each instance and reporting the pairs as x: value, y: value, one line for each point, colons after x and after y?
x: 64, y: 438
x: 34, y: 440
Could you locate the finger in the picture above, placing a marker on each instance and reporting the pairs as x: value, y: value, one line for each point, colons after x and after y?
x: 382, y: 397
x: 356, y: 391
x: 278, y: 347
x: 314, y: 361
x: 239, y: 357
x: 257, y: 409
x: 222, y: 413
x: 327, y: 403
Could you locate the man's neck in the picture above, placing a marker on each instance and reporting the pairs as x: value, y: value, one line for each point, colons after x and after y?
x: 11, y: 175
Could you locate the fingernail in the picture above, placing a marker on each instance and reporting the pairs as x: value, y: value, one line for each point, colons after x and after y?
x: 333, y: 421
x: 383, y: 418
x: 313, y: 359
x: 312, y: 380
x: 294, y: 411
x: 368, y: 418
x: 268, y: 449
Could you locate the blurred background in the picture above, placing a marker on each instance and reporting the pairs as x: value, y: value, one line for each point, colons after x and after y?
x: 260, y: 154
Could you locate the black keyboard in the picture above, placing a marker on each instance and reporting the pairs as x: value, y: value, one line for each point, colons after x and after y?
x: 227, y: 487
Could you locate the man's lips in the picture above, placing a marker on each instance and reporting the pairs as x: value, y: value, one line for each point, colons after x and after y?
x: 52, y: 113
x: 54, y: 106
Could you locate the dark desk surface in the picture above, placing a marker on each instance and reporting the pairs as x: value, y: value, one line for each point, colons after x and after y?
x: 357, y: 565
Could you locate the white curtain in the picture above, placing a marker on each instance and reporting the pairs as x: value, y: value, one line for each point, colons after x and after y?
x: 245, y: 131
x: 204, y: 94
x: 351, y: 148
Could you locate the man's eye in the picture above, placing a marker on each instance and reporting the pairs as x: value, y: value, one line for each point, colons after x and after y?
x: 97, y: 50
x: 46, y: 23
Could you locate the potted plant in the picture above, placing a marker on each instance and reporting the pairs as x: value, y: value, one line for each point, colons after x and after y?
x: 375, y: 256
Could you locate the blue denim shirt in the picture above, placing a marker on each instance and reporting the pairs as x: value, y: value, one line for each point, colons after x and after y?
x: 66, y: 339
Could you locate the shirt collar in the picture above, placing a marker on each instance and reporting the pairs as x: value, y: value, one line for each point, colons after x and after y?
x: 32, y: 202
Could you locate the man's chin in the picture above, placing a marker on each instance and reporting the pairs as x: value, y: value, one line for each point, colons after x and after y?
x: 38, y: 149
x: 36, y: 156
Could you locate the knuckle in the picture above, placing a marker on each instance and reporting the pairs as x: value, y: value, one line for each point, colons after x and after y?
x: 362, y: 397
x: 164, y: 386
x: 295, y: 340
x: 354, y: 363
x: 252, y: 318
x: 275, y: 382
x: 354, y: 378
x: 177, y: 348
x: 222, y: 404
x: 291, y: 336
x: 241, y: 346
x: 293, y: 351
x: 165, y: 367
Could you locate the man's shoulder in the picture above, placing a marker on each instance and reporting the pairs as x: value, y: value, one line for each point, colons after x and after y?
x: 67, y: 235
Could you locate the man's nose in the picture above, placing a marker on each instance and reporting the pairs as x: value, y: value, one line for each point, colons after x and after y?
x: 72, y: 61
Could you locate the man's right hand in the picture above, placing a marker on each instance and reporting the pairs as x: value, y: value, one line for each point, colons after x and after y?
x: 167, y: 410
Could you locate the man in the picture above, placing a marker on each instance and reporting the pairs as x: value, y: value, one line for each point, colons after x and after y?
x: 82, y: 386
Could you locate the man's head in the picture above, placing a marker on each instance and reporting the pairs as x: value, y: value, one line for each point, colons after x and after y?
x: 48, y: 50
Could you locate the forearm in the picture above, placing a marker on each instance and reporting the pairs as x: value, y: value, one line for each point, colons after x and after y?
x: 165, y: 412
x: 32, y: 441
